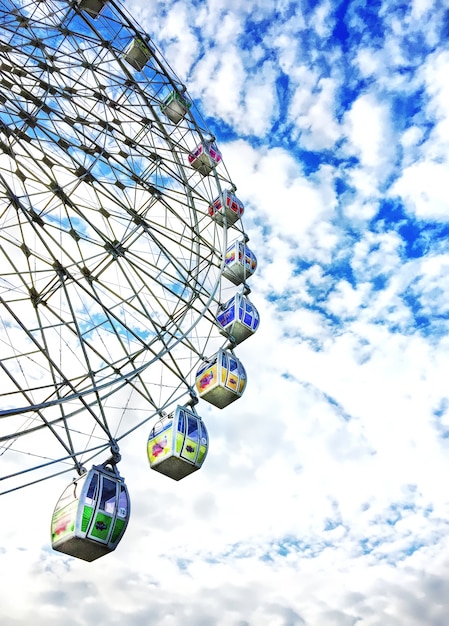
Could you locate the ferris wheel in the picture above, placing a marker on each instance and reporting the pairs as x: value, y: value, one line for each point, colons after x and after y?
x: 124, y: 263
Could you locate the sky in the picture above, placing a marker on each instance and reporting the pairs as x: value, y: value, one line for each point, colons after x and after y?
x: 322, y: 501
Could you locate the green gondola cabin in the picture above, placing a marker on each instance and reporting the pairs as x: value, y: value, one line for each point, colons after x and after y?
x: 175, y: 107
x: 91, y: 515
x: 138, y: 53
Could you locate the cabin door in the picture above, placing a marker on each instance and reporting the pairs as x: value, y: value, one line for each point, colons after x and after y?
x: 105, y: 511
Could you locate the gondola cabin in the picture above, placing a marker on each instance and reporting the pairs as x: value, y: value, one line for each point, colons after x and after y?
x: 240, y: 263
x: 221, y: 380
x: 175, y: 107
x: 205, y: 157
x: 138, y: 53
x: 92, y: 514
x: 238, y: 318
x: 177, y: 445
x: 92, y: 7
x: 226, y: 205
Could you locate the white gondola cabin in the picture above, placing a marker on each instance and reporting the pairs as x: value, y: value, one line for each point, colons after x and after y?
x: 138, y: 53
x: 205, y: 157
x: 178, y: 443
x: 175, y: 107
x: 238, y: 318
x: 221, y: 380
x: 92, y: 514
x: 226, y: 205
x: 92, y: 7
x: 240, y: 263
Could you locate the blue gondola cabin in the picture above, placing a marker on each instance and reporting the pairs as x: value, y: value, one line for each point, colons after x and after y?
x: 178, y: 443
x: 205, y: 157
x: 240, y: 263
x: 92, y: 7
x: 238, y: 318
x: 92, y: 514
x: 221, y: 380
x: 138, y: 53
x: 175, y: 107
x: 228, y: 206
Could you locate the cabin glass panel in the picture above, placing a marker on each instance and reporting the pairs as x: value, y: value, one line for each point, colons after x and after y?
x: 122, y: 514
x: 89, y: 502
x: 203, y: 443
x: 180, y: 432
x: 123, y: 503
x: 226, y: 313
x: 108, y: 496
x: 247, y: 317
x: 242, y: 378
x: 232, y: 378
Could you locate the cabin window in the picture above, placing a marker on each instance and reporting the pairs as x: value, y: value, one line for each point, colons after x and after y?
x: 68, y: 496
x: 181, y: 423
x: 123, y: 502
x: 108, y: 496
x: 91, y: 492
x: 203, y: 434
x: 160, y: 426
x: 156, y: 429
x: 192, y: 431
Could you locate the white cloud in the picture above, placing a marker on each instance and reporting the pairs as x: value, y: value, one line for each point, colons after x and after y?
x: 421, y: 7
x: 313, y: 112
x: 367, y: 126
x: 321, y: 499
x: 423, y: 189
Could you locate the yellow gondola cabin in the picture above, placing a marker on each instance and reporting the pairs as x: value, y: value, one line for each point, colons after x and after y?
x: 175, y: 107
x: 221, y: 380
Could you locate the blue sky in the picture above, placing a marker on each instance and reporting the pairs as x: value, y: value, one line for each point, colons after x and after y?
x: 323, y: 500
